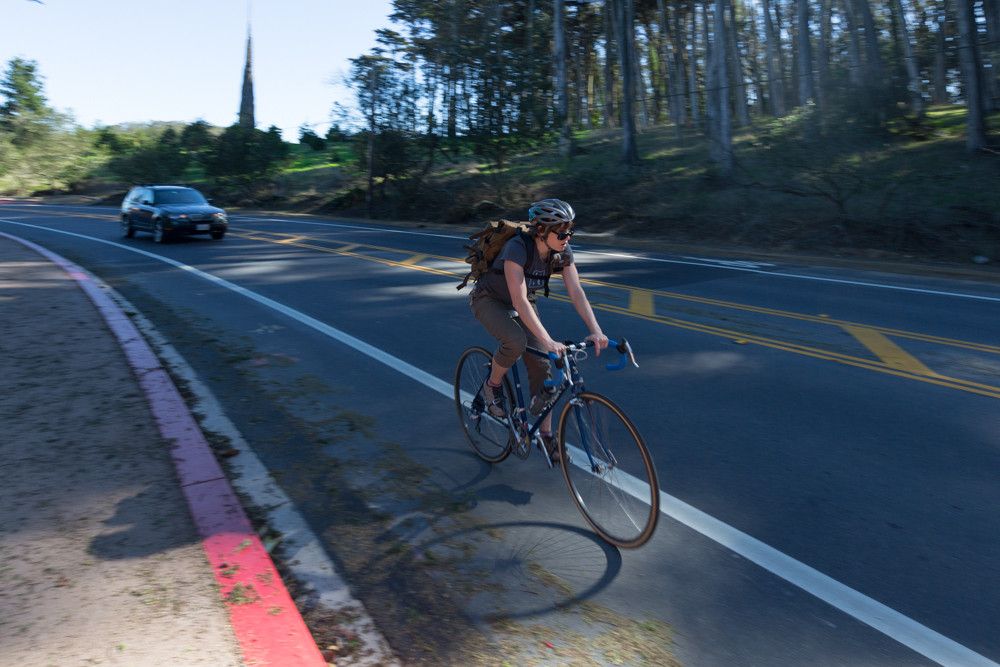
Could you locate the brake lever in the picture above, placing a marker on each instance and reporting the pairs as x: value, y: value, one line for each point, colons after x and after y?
x: 627, y: 356
x: 630, y: 353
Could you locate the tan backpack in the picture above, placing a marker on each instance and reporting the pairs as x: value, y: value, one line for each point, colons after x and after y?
x: 487, y: 244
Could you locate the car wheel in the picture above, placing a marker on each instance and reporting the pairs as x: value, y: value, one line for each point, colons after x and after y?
x: 159, y: 233
x: 218, y: 235
x: 128, y: 231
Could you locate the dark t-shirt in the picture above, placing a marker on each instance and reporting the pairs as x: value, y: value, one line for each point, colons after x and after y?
x: 495, y: 284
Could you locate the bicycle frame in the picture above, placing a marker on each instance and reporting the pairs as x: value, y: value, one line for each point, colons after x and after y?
x: 568, y: 379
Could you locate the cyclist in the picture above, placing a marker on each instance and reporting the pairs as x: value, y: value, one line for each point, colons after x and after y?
x: 515, y: 276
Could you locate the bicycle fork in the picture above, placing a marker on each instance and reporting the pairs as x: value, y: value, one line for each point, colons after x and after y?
x: 586, y: 436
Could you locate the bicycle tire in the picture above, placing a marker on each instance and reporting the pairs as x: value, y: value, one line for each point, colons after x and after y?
x: 491, y: 438
x: 614, y: 485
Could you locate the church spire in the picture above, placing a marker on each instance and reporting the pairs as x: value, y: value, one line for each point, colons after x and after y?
x: 246, y: 103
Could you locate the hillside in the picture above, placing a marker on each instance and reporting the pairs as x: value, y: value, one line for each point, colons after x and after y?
x: 837, y: 189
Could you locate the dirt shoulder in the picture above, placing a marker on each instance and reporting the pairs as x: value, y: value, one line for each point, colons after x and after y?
x: 101, y: 562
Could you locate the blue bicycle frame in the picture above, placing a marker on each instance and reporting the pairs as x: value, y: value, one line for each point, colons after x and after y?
x: 571, y: 381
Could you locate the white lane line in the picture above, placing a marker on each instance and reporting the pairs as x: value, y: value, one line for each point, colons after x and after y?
x: 886, y: 620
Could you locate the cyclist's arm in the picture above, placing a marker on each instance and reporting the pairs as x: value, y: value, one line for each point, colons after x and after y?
x: 513, y: 273
x: 571, y: 278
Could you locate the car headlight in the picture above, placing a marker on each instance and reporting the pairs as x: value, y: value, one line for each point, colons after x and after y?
x: 219, y: 217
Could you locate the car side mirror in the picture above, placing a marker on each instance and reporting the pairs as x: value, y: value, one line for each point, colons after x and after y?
x: 146, y: 202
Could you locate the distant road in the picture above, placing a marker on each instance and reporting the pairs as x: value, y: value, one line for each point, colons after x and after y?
x: 827, y: 440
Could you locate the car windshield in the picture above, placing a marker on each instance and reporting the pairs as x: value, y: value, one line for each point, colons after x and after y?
x: 179, y: 196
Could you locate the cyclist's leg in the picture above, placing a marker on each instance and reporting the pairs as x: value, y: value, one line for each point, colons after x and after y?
x: 494, y: 315
x: 540, y: 370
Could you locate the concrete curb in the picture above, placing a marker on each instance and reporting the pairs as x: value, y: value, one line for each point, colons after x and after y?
x: 265, y: 620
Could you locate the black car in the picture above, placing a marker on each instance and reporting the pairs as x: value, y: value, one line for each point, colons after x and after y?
x: 170, y: 210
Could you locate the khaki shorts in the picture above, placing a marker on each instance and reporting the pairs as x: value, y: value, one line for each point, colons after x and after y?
x: 513, y: 337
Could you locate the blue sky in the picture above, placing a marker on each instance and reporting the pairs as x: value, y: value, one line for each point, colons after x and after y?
x: 113, y: 61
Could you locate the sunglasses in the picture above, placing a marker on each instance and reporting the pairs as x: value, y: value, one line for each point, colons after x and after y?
x: 562, y: 236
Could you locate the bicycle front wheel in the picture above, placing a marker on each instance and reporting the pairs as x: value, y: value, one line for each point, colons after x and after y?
x: 609, y: 470
x: 490, y: 437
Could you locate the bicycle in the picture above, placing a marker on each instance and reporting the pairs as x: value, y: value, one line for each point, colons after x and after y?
x: 604, y: 460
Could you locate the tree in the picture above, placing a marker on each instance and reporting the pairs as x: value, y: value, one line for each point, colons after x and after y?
x: 245, y: 159
x: 722, y: 139
x: 23, y: 89
x: 806, y: 85
x: 775, y: 77
x: 24, y: 112
x: 309, y: 138
x: 335, y: 134
x: 372, y: 78
x: 150, y: 160
x: 910, y: 59
x: 196, y: 138
x: 975, y: 138
x: 560, y: 85
x: 625, y: 20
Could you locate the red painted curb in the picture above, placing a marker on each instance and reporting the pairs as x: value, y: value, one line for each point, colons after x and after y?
x: 263, y: 616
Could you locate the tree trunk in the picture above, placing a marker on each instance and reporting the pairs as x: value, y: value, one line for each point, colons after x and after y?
x: 756, y: 88
x: 369, y: 193
x: 722, y: 143
x: 561, y: 88
x: 642, y: 90
x: 452, y: 93
x: 711, y: 86
x: 873, y: 59
x: 775, y: 77
x: 788, y: 77
x: 969, y: 55
x: 736, y: 62
x: 680, y: 82
x: 527, y: 101
x: 806, y: 83
x: 856, y: 76
x: 823, y: 56
x: 668, y: 68
x: 610, y: 52
x: 693, y: 67
x: 580, y: 80
x: 940, y: 70
x: 991, y: 10
x: 912, y: 71
x: 711, y: 72
x: 626, y: 40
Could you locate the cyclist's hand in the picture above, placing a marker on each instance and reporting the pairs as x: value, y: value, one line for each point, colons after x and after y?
x: 600, y: 342
x: 555, y: 346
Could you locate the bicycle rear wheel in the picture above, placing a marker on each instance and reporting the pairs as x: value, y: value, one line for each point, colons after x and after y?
x: 609, y: 470
x: 491, y: 438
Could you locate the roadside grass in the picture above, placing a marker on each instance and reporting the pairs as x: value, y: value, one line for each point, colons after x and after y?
x: 798, y: 183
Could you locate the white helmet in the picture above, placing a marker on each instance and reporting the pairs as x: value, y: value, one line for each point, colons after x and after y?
x: 550, y: 212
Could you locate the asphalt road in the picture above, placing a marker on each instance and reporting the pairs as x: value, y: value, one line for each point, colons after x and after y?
x: 827, y: 440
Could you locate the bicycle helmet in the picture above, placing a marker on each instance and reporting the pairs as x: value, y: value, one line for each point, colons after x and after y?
x: 550, y: 212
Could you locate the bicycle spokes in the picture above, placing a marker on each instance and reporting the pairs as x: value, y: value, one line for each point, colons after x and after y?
x: 610, y: 474
x: 489, y: 436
